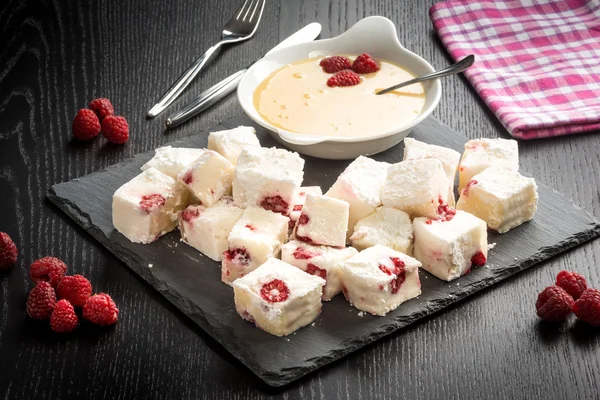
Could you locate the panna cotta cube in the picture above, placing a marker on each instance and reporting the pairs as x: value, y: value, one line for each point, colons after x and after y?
x: 207, y: 228
x: 146, y: 207
x: 229, y: 143
x: 323, y: 220
x: 377, y: 280
x: 322, y: 261
x: 480, y: 154
x: 267, y: 178
x: 416, y: 150
x: 386, y: 226
x: 209, y: 177
x: 417, y: 187
x: 360, y: 186
x: 449, y: 247
x: 278, y: 298
x: 300, y: 199
x: 503, y: 199
x: 255, y: 237
x: 172, y: 160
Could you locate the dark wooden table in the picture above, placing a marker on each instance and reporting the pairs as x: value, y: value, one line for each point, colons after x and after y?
x: 56, y: 56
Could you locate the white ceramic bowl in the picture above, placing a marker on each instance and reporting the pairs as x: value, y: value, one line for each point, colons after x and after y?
x: 374, y: 35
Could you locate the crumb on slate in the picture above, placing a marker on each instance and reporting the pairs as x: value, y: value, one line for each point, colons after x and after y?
x: 491, y: 246
x: 150, y: 265
x: 360, y: 314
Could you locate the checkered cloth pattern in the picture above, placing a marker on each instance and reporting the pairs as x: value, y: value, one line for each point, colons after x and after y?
x: 537, y: 62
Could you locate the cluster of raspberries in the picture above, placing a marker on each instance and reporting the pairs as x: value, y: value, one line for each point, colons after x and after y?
x: 346, y: 72
x: 569, y: 294
x: 100, y: 116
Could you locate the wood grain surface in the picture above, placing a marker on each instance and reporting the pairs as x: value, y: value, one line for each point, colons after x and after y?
x: 57, y: 55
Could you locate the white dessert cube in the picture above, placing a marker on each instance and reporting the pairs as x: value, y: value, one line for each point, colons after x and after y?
x: 146, y: 207
x: 267, y: 178
x: 448, y: 248
x: 230, y: 143
x: 209, y: 177
x: 323, y: 220
x: 377, y: 280
x: 278, y: 298
x: 172, y: 160
x: 255, y: 237
x: 480, y: 154
x: 360, y: 186
x: 207, y: 228
x: 322, y: 261
x: 386, y: 226
x: 417, y: 187
x: 300, y: 199
x: 416, y: 150
x: 503, y: 199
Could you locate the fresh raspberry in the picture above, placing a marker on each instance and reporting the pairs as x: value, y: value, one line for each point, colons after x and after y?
x: 8, y: 251
x: 335, y: 64
x: 343, y: 78
x: 189, y: 214
x: 312, y: 269
x: 238, y: 256
x: 151, y: 202
x: 74, y: 288
x: 572, y: 282
x: 63, y: 318
x: 49, y: 269
x: 115, y: 129
x: 102, y: 107
x: 587, y: 307
x: 86, y: 125
x: 554, y: 304
x: 275, y: 204
x: 275, y: 291
x: 100, y: 309
x: 478, y: 259
x: 303, y: 254
x: 41, y: 301
x: 364, y: 64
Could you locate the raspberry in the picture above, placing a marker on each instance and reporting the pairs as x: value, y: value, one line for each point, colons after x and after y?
x: 445, y: 212
x: 303, y: 254
x: 587, y: 307
x: 238, y: 256
x: 398, y: 270
x: 251, y: 227
x: 86, y: 125
x: 188, y: 178
x: 472, y: 182
x: 303, y: 219
x: 275, y: 291
x: 572, y: 282
x: 343, y: 78
x: 335, y: 64
x: 554, y: 304
x: 189, y: 214
x: 8, y: 251
x: 115, y: 129
x: 364, y: 64
x: 275, y: 204
x: 49, y: 269
x: 100, y: 309
x: 76, y: 289
x: 298, y: 207
x: 63, y: 318
x: 102, y: 107
x: 41, y: 301
x: 312, y: 269
x: 478, y: 259
x: 151, y: 202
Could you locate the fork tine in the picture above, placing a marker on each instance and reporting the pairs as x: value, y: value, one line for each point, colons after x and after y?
x: 241, y: 10
x: 262, y: 4
x: 248, y: 10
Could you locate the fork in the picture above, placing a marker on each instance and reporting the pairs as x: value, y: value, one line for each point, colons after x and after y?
x: 240, y: 27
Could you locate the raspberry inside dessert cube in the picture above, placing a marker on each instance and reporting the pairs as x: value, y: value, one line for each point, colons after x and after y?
x: 360, y: 186
x: 480, y: 154
x: 377, y: 280
x: 172, y: 160
x: 386, y: 226
x: 448, y: 248
x: 503, y: 199
x: 416, y: 187
x: 146, y: 207
x: 300, y: 199
x: 257, y: 236
x: 207, y: 228
x: 209, y: 177
x: 230, y: 143
x: 267, y: 178
x: 323, y: 220
x: 322, y: 261
x: 278, y: 298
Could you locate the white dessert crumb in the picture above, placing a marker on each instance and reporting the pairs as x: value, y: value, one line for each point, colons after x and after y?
x: 176, y: 244
x: 516, y: 258
x: 457, y: 283
x: 288, y: 339
x: 360, y: 314
x: 150, y: 265
x: 313, y: 324
x: 491, y: 246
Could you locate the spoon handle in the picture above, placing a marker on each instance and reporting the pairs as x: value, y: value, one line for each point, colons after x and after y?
x: 451, y: 70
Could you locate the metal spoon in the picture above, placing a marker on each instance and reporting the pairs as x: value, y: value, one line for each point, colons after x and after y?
x: 451, y: 70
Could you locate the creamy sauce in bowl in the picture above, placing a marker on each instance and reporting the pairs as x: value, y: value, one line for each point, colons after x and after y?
x: 296, y: 98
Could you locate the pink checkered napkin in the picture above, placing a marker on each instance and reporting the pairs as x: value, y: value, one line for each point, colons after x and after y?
x: 537, y: 62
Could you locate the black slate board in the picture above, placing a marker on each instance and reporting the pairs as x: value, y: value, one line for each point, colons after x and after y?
x: 192, y: 282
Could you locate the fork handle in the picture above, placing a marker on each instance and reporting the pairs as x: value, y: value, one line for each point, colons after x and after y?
x: 183, y: 82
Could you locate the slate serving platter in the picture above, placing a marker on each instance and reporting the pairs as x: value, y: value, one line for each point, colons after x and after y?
x: 191, y: 281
